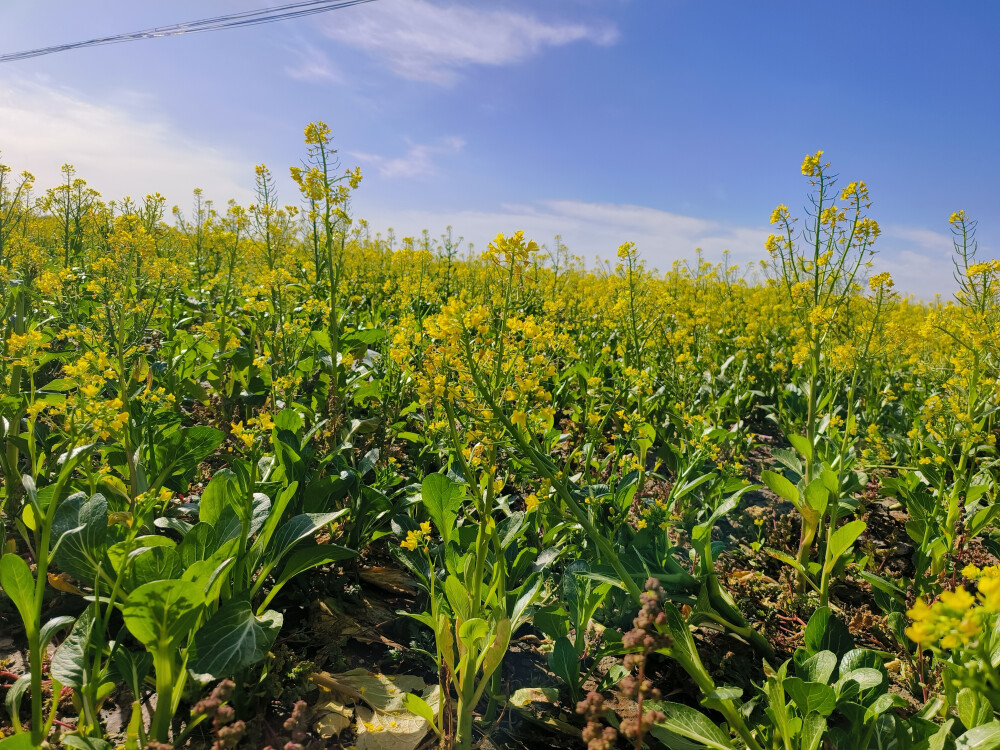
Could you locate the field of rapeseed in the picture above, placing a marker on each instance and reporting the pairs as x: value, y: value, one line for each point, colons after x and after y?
x: 268, y: 480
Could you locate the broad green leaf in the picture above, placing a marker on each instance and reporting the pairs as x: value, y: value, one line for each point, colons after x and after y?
x: 306, y: 558
x: 418, y: 706
x: 79, y: 534
x: 458, y: 596
x: 726, y: 693
x: 564, y: 662
x: 811, y: 697
x: 19, y: 585
x: 801, y: 444
x: 198, y: 544
x: 53, y: 626
x: 973, y: 708
x: 221, y: 493
x: 442, y: 498
x: 983, y: 737
x: 160, y: 563
x: 124, y: 551
x: 473, y: 630
x: 690, y: 724
x: 817, y: 496
x: 781, y: 487
x: 884, y: 702
x: 865, y: 677
x: 162, y: 612
x: 133, y: 666
x: 813, y: 729
x: 179, y: 453
x: 275, y: 515
x: 69, y: 662
x: 826, y: 632
x: 818, y: 668
x: 294, y: 530
x: 17, y: 742
x: 495, y: 652
x: 234, y: 639
x: 841, y: 540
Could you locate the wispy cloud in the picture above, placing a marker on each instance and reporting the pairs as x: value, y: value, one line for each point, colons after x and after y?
x: 919, y: 259
x: 591, y: 230
x: 119, y: 151
x: 313, y: 65
x: 423, y: 41
x: 419, y: 159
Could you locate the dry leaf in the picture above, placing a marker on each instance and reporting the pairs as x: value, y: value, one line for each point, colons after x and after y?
x: 330, y: 716
x: 383, y: 722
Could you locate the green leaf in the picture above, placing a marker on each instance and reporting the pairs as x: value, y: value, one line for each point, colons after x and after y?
x: 813, y: 729
x: 983, y: 737
x: 442, y: 498
x: 563, y: 662
x: 125, y: 551
x: 818, y: 668
x: 826, y: 632
x: 17, y: 742
x: 234, y: 639
x: 811, y: 697
x: 69, y: 662
x: 801, y: 444
x: 162, y: 612
x: 973, y: 708
x: 53, y: 626
x: 15, y: 694
x: 841, y: 540
x: 17, y: 582
x: 198, y: 544
x: 817, y: 496
x: 132, y: 666
x: 220, y: 493
x: 690, y: 724
x: 275, y: 514
x: 306, y: 558
x: 294, y: 530
x: 458, y: 596
x: 180, y: 452
x: 159, y: 563
x: 474, y: 629
x: 781, y: 487
x: 703, y: 530
x: 496, y: 651
x: 84, y: 743
x: 79, y: 534
x: 865, y: 677
x: 419, y: 707
x: 886, y: 701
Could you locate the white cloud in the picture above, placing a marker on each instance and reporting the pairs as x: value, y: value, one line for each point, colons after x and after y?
x: 120, y: 150
x: 588, y: 229
x: 419, y: 159
x: 314, y: 66
x: 919, y: 259
x: 423, y: 41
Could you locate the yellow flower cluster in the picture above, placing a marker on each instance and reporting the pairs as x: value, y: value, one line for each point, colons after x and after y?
x: 958, y: 620
x: 417, y: 537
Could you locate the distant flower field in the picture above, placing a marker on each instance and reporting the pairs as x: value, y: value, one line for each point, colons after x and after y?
x: 269, y: 480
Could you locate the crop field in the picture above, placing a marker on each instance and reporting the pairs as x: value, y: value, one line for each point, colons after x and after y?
x: 270, y: 480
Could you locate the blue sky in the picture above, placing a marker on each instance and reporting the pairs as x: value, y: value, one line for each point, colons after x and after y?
x: 674, y: 123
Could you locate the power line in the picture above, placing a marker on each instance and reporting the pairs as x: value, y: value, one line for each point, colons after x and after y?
x: 231, y: 21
